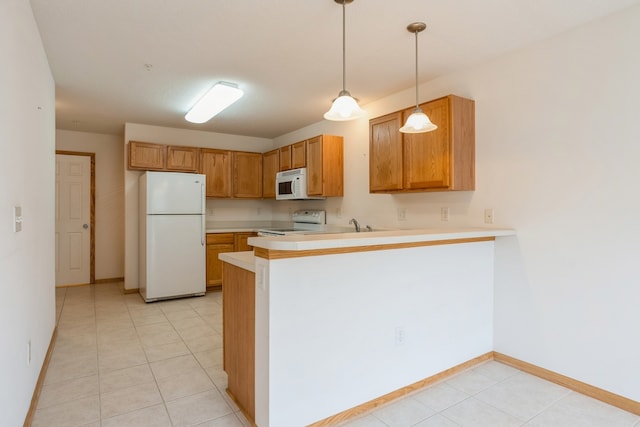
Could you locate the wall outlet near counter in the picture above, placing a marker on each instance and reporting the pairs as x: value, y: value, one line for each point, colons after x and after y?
x: 444, y: 214
x: 338, y: 212
x: 488, y: 216
x: 402, y: 214
x: 400, y: 336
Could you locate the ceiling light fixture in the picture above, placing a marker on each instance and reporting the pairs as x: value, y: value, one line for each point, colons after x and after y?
x: 219, y: 97
x: 418, y: 121
x: 344, y: 107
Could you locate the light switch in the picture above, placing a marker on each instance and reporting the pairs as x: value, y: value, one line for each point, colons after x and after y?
x: 17, y: 219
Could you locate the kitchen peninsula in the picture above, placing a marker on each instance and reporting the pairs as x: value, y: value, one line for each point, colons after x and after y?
x: 344, y: 321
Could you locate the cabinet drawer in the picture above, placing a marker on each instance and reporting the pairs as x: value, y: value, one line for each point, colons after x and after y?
x: 213, y: 238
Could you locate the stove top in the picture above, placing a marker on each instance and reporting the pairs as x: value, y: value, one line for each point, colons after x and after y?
x: 303, y: 222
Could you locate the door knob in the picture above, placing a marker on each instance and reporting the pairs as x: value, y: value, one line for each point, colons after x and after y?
x: 85, y: 226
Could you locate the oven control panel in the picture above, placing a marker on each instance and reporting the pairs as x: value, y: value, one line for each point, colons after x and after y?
x: 309, y: 216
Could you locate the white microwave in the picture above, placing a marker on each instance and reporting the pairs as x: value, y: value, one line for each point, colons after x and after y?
x: 292, y: 185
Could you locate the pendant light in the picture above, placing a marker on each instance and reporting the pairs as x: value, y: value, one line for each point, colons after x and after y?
x: 418, y: 121
x: 344, y: 107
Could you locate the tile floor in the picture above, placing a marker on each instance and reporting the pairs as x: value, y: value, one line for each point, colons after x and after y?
x: 120, y: 362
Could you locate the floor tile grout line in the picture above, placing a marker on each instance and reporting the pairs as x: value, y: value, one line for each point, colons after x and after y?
x: 523, y: 374
x: 95, y: 314
x: 155, y: 379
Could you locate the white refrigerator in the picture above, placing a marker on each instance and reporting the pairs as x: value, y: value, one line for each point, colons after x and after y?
x: 172, y: 239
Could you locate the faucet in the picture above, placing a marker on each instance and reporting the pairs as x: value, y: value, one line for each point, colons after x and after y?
x: 356, y: 224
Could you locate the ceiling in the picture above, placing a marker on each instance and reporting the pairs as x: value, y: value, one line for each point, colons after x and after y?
x: 147, y: 61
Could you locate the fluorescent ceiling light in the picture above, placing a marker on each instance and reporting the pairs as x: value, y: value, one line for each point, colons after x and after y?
x: 219, y: 97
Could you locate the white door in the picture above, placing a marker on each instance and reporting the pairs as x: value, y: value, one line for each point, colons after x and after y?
x: 73, y: 219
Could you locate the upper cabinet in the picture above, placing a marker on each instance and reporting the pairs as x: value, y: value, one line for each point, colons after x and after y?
x: 216, y: 165
x: 183, y: 159
x: 293, y: 156
x: 323, y: 156
x: 149, y: 156
x: 299, y: 155
x: 232, y: 173
x: 441, y: 160
x: 325, y: 166
x: 270, y: 166
x: 285, y: 157
x: 146, y: 156
x: 247, y: 175
x: 385, y: 153
x: 242, y: 174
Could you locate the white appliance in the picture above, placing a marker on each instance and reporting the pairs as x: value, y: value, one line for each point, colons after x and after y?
x: 172, y: 251
x: 292, y: 185
x: 304, y: 222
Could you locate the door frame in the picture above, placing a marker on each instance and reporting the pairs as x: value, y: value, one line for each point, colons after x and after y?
x: 92, y: 208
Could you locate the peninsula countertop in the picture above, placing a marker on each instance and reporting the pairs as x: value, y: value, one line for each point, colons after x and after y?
x: 301, y: 242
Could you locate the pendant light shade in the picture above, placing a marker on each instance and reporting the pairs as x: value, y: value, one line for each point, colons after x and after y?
x: 418, y: 121
x: 344, y: 107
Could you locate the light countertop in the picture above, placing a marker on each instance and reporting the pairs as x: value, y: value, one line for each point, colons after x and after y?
x: 242, y: 226
x: 300, y: 242
x: 244, y: 260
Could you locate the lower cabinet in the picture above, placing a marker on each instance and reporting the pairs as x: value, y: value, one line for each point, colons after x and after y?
x: 218, y: 243
x: 238, y: 334
x: 240, y: 241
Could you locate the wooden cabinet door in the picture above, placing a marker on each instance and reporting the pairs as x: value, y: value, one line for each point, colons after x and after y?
x: 285, y: 158
x: 238, y: 335
x: 146, y: 156
x: 217, y: 243
x: 385, y: 153
x: 183, y: 159
x: 299, y: 155
x: 270, y: 166
x: 216, y: 165
x: 427, y: 156
x: 240, y: 241
x: 325, y: 166
x: 247, y: 175
x: 314, y: 167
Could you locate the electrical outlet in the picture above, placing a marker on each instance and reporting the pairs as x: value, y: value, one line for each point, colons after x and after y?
x: 400, y: 336
x: 444, y: 214
x: 211, y: 211
x: 338, y: 213
x: 258, y: 211
x: 488, y: 216
x: 402, y: 214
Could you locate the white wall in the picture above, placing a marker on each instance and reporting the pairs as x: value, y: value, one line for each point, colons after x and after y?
x: 557, y: 146
x: 109, y: 220
x: 27, y: 126
x: 219, y: 210
x: 334, y: 333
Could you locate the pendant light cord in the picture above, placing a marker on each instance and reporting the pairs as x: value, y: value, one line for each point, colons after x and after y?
x: 344, y: 48
x: 417, y: 105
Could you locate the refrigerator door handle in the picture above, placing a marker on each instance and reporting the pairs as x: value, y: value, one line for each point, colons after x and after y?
x: 203, y: 216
